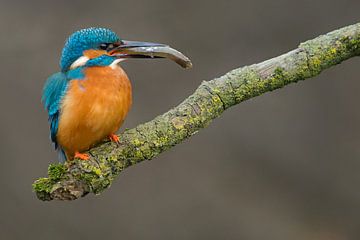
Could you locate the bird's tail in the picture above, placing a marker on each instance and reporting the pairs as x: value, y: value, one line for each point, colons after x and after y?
x: 62, y: 155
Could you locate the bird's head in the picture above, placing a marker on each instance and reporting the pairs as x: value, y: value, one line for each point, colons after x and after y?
x: 101, y: 46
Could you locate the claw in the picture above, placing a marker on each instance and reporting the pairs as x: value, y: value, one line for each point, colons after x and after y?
x: 82, y: 156
x: 114, y: 138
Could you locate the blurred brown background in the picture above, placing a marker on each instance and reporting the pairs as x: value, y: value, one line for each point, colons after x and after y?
x: 284, y: 165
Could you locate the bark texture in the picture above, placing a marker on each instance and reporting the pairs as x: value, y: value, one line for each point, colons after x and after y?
x: 78, y: 178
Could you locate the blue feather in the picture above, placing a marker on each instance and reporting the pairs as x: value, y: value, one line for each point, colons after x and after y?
x: 76, y: 73
x: 103, y: 60
x: 53, y: 92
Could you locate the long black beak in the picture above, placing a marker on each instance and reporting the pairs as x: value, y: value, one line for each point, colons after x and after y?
x: 133, y: 49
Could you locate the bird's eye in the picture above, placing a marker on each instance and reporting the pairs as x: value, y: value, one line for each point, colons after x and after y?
x: 107, y: 46
x: 103, y: 46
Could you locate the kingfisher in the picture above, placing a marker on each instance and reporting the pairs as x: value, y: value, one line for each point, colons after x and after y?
x: 88, y: 100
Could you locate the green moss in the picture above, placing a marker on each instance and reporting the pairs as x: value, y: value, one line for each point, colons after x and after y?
x: 303, y: 71
x: 354, y: 44
x: 137, y: 153
x: 326, y: 51
x: 137, y: 142
x: 112, y: 158
x: 56, y: 171
x: 42, y: 188
x: 248, y: 85
x: 42, y: 185
x: 281, y: 78
x: 98, y: 185
x: 87, y: 177
x: 95, y: 182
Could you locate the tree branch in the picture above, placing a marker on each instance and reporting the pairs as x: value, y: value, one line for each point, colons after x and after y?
x: 77, y: 178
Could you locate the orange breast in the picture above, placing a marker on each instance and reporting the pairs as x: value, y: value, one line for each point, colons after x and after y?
x: 93, y: 108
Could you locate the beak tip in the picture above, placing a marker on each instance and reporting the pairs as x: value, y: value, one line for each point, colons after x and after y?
x: 188, y: 65
x: 184, y: 62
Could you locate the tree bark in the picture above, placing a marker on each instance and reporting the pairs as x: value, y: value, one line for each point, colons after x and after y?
x: 77, y: 178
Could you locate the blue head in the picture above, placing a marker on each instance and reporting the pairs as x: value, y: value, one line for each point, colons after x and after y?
x: 86, y: 39
x: 101, y: 46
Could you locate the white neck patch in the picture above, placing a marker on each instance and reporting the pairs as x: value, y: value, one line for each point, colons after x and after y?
x: 81, y: 61
x: 114, y: 64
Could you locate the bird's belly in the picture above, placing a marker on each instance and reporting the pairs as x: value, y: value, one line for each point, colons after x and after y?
x: 93, y: 109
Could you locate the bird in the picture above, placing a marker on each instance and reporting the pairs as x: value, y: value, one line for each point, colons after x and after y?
x: 89, y: 98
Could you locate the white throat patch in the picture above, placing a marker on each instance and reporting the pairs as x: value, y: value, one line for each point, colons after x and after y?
x: 81, y: 61
x: 114, y: 64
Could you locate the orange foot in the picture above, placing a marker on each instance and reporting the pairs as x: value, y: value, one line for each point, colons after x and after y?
x: 114, y: 138
x: 82, y: 156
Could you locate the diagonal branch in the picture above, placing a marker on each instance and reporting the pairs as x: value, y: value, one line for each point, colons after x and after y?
x: 146, y: 141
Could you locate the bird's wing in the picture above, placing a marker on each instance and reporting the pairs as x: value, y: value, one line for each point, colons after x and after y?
x: 53, y: 92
